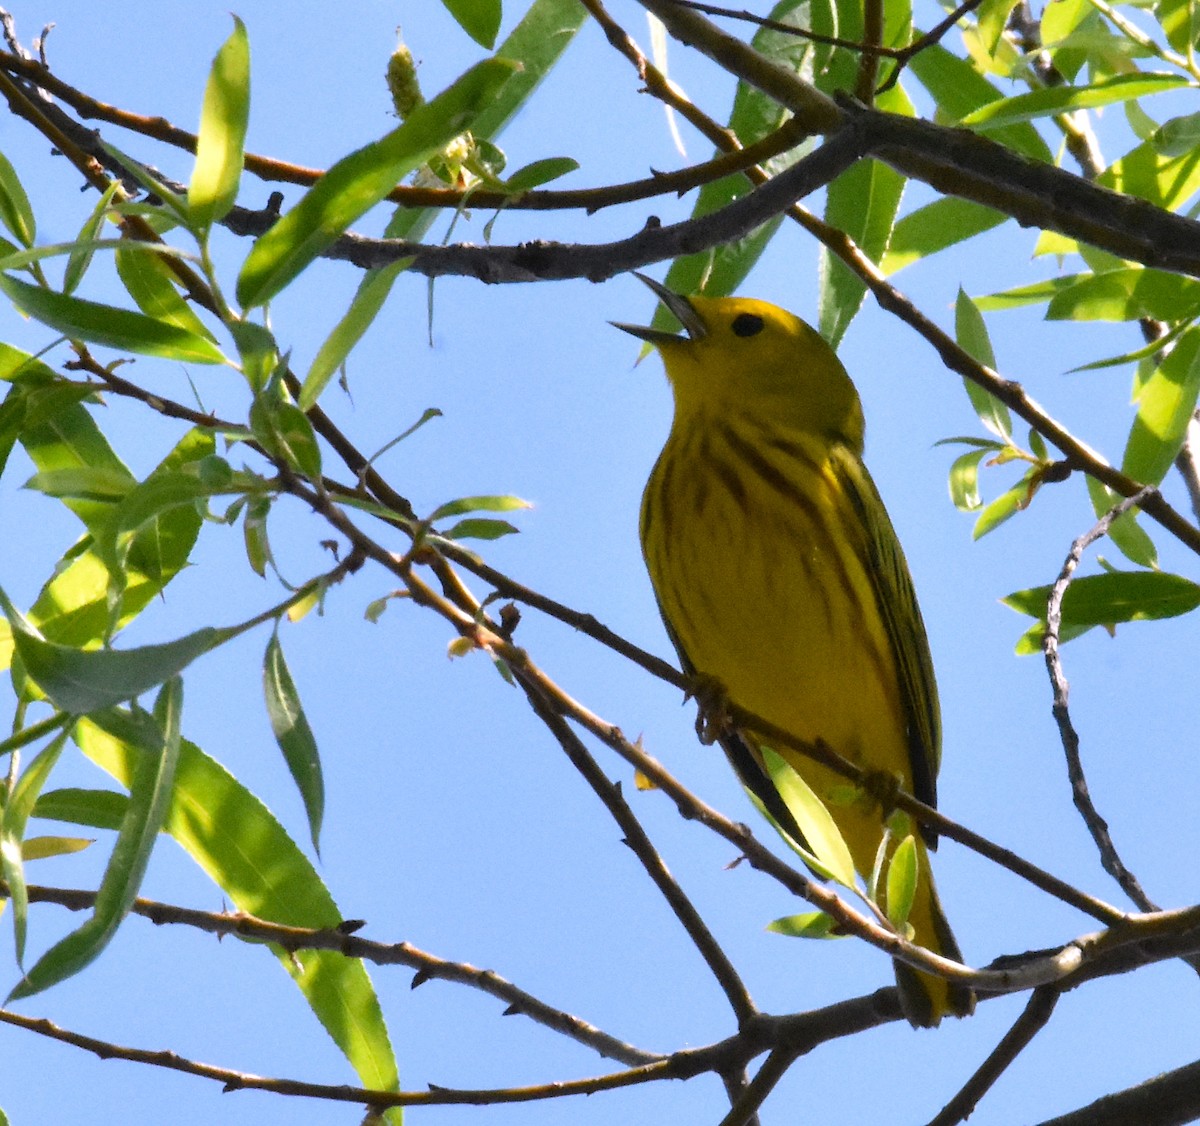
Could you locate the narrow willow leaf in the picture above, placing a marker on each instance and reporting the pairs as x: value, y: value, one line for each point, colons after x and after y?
x: 235, y: 839
x: 222, y: 135
x: 539, y: 172
x: 150, y: 797
x: 1112, y: 598
x: 479, y: 529
x: 43, y: 848
x: 959, y: 89
x: 1126, y: 294
x: 83, y: 681
x: 81, y: 258
x: 812, y: 924
x: 863, y: 201
x: 718, y: 272
x: 1166, y: 403
x: 1065, y: 99
x: 294, y: 735
x: 1177, y: 136
x: 480, y: 19
x: 535, y: 45
x: 964, y: 481
x: 369, y: 299
x: 902, y: 876
x: 15, y: 212
x: 823, y: 846
x: 359, y: 181
x: 1005, y: 506
x: 285, y: 432
x: 944, y: 222
x: 478, y: 504
x: 99, y: 809
x: 110, y: 326
x: 152, y: 285
x: 17, y: 810
x: 972, y: 335
x: 1165, y: 181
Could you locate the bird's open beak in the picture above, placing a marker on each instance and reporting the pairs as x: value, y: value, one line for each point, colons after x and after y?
x: 684, y: 312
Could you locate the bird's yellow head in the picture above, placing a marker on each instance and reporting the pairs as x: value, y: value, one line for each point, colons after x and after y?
x: 740, y: 355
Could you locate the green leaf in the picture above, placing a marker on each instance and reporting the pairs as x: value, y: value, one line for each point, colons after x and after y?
x: 1178, y: 135
x: 1166, y: 403
x: 222, y: 135
x: 15, y: 212
x: 85, y: 681
x: 959, y: 89
x: 1179, y: 23
x: 1113, y: 597
x: 1006, y: 505
x: 152, y: 285
x: 81, y: 482
x: 110, y: 326
x: 971, y: 333
x: 1065, y: 99
x: 823, y: 848
x: 149, y: 801
x: 536, y: 44
x: 719, y: 271
x: 936, y: 226
x: 17, y: 810
x: 285, y: 433
x: 479, y: 529
x: 964, y: 480
x: 1165, y: 181
x: 254, y: 534
x: 99, y: 809
x: 478, y: 504
x: 902, y: 875
x: 44, y: 848
x: 235, y: 839
x: 863, y: 201
x: 480, y: 19
x: 1133, y: 540
x: 81, y: 257
x: 294, y: 736
x: 1125, y: 295
x: 540, y: 172
x: 359, y: 181
x: 369, y: 299
x: 811, y: 924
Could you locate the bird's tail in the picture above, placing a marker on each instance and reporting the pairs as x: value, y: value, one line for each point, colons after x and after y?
x: 926, y: 998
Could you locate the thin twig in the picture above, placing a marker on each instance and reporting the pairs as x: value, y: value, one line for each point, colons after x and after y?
x: 1033, y: 1019
x: 428, y: 967
x: 1096, y: 825
x: 232, y: 1080
x: 765, y: 1080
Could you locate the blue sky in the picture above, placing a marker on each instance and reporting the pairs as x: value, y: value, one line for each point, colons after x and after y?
x: 453, y: 820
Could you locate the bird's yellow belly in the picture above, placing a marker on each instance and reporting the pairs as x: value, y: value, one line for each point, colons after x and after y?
x: 786, y: 623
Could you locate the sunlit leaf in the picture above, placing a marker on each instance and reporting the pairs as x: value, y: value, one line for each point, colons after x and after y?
x: 1166, y: 403
x: 480, y: 19
x: 294, y: 735
x: 222, y: 134
x: 359, y: 181
x: 150, y: 796
x: 235, y: 839
x: 110, y: 326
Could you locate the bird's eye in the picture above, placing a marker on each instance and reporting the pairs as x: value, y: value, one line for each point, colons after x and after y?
x: 746, y: 324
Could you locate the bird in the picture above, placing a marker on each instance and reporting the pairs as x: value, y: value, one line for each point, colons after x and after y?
x: 782, y: 585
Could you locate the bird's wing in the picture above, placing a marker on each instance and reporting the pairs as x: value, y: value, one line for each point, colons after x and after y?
x: 901, y: 616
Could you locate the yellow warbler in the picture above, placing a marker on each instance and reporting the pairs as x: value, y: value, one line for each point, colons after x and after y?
x: 780, y: 578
